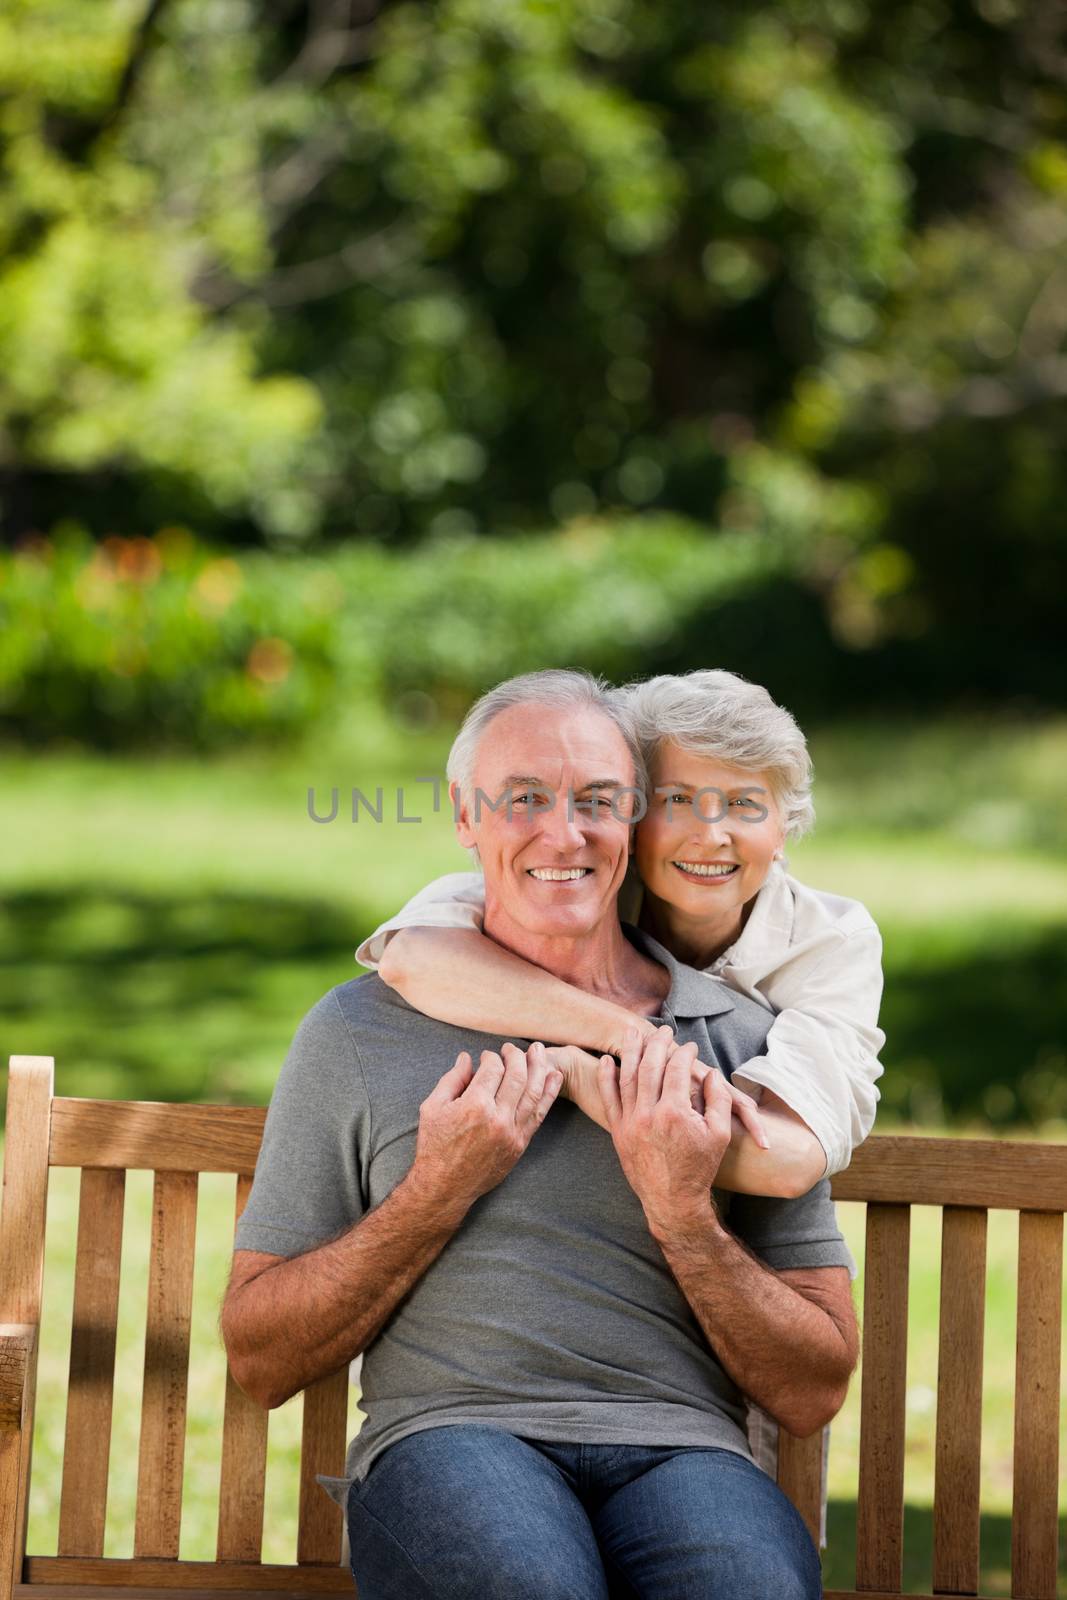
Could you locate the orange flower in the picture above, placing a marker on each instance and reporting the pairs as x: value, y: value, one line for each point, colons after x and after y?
x: 269, y: 661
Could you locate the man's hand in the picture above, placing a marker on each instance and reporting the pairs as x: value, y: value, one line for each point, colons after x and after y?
x: 474, y: 1125
x: 669, y: 1151
x: 581, y: 1083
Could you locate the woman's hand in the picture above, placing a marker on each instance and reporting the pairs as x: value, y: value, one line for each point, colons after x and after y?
x: 580, y: 1084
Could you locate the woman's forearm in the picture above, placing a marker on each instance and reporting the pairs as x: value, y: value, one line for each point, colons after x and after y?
x: 792, y: 1164
x: 459, y: 976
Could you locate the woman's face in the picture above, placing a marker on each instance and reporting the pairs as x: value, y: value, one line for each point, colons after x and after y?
x: 704, y: 813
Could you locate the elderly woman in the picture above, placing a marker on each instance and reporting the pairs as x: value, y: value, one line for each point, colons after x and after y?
x: 730, y: 782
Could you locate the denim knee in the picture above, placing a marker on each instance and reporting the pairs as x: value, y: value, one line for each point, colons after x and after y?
x: 786, y: 1572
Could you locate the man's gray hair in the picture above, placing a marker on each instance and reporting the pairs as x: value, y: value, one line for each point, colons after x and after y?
x: 724, y: 717
x: 560, y: 687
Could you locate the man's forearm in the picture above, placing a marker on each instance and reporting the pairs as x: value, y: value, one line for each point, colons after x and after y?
x: 785, y: 1352
x: 309, y: 1315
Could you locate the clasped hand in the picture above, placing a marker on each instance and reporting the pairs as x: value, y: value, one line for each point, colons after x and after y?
x: 669, y: 1149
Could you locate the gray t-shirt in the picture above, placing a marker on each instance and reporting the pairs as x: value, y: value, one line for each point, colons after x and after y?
x: 551, y: 1312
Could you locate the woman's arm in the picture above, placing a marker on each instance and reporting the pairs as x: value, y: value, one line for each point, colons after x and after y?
x: 459, y: 976
x: 821, y: 1055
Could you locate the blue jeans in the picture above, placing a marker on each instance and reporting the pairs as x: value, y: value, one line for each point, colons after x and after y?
x: 473, y: 1512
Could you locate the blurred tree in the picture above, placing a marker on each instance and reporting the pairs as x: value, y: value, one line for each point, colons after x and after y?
x: 300, y: 269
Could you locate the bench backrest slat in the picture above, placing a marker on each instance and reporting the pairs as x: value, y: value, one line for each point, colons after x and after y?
x: 322, y: 1449
x: 880, y: 1507
x: 1037, y: 1386
x: 161, y: 1463
x: 90, y: 1390
x: 244, y: 1458
x: 957, y: 1464
x: 906, y: 1170
x: 800, y: 1474
x: 155, y: 1135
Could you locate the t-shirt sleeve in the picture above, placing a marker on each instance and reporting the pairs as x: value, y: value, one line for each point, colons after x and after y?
x: 791, y: 1233
x: 309, y: 1184
x: 456, y: 900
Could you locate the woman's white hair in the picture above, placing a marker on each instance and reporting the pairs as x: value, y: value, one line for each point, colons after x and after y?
x: 559, y: 687
x: 724, y: 717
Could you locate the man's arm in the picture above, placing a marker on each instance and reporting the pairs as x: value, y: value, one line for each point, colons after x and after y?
x: 288, y: 1320
x: 788, y: 1339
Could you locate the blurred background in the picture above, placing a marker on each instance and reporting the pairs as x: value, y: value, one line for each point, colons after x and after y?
x: 354, y: 356
x: 357, y: 355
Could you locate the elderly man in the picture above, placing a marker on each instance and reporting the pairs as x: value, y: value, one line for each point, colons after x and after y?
x: 558, y: 1322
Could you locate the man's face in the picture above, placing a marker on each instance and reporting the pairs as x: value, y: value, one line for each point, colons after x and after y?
x: 574, y: 762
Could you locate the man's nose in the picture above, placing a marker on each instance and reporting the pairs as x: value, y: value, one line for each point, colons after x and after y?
x: 562, y: 826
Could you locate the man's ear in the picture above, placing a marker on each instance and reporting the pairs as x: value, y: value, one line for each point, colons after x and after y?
x: 460, y: 804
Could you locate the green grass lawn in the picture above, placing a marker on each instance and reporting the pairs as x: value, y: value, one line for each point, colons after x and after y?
x: 165, y: 923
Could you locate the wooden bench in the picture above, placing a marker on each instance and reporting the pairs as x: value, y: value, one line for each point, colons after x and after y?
x: 176, y: 1143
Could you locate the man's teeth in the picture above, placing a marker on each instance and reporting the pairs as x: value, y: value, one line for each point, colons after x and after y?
x: 558, y: 875
x: 706, y: 869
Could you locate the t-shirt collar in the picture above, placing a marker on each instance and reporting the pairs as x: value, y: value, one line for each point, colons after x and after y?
x: 692, y: 993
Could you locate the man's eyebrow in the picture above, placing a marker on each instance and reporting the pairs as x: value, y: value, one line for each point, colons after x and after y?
x: 514, y: 779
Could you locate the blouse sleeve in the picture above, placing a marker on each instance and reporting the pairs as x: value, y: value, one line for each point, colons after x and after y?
x: 821, y: 1054
x: 456, y: 900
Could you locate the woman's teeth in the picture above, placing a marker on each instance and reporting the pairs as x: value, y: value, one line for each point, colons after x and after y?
x: 706, y: 869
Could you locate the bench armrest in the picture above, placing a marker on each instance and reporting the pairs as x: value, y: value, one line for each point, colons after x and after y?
x: 18, y: 1353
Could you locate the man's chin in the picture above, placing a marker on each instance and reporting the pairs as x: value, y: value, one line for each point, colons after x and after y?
x: 559, y: 919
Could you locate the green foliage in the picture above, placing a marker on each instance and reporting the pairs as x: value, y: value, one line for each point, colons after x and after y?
x: 141, y: 639
x: 289, y: 276
x: 168, y: 640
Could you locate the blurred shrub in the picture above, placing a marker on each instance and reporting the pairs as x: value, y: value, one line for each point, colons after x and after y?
x: 163, y: 639
x: 141, y: 640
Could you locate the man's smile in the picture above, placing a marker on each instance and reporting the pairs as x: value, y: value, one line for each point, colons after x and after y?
x: 559, y: 874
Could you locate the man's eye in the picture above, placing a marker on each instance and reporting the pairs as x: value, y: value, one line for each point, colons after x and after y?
x: 671, y: 798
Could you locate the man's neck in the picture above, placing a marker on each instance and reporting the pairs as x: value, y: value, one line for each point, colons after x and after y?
x: 602, y: 962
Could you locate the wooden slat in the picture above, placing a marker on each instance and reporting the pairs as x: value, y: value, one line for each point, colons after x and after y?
x: 18, y: 1357
x: 22, y: 1234
x: 166, y: 1365
x: 800, y: 1477
x: 322, y: 1450
x: 985, y: 1173
x: 880, y: 1512
x: 128, y: 1576
x: 244, y: 1459
x: 1037, y: 1407
x: 29, y: 1100
x: 155, y: 1135
x: 90, y: 1392
x: 959, y: 1401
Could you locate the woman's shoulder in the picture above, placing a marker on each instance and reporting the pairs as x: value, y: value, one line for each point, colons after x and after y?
x: 824, y: 910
